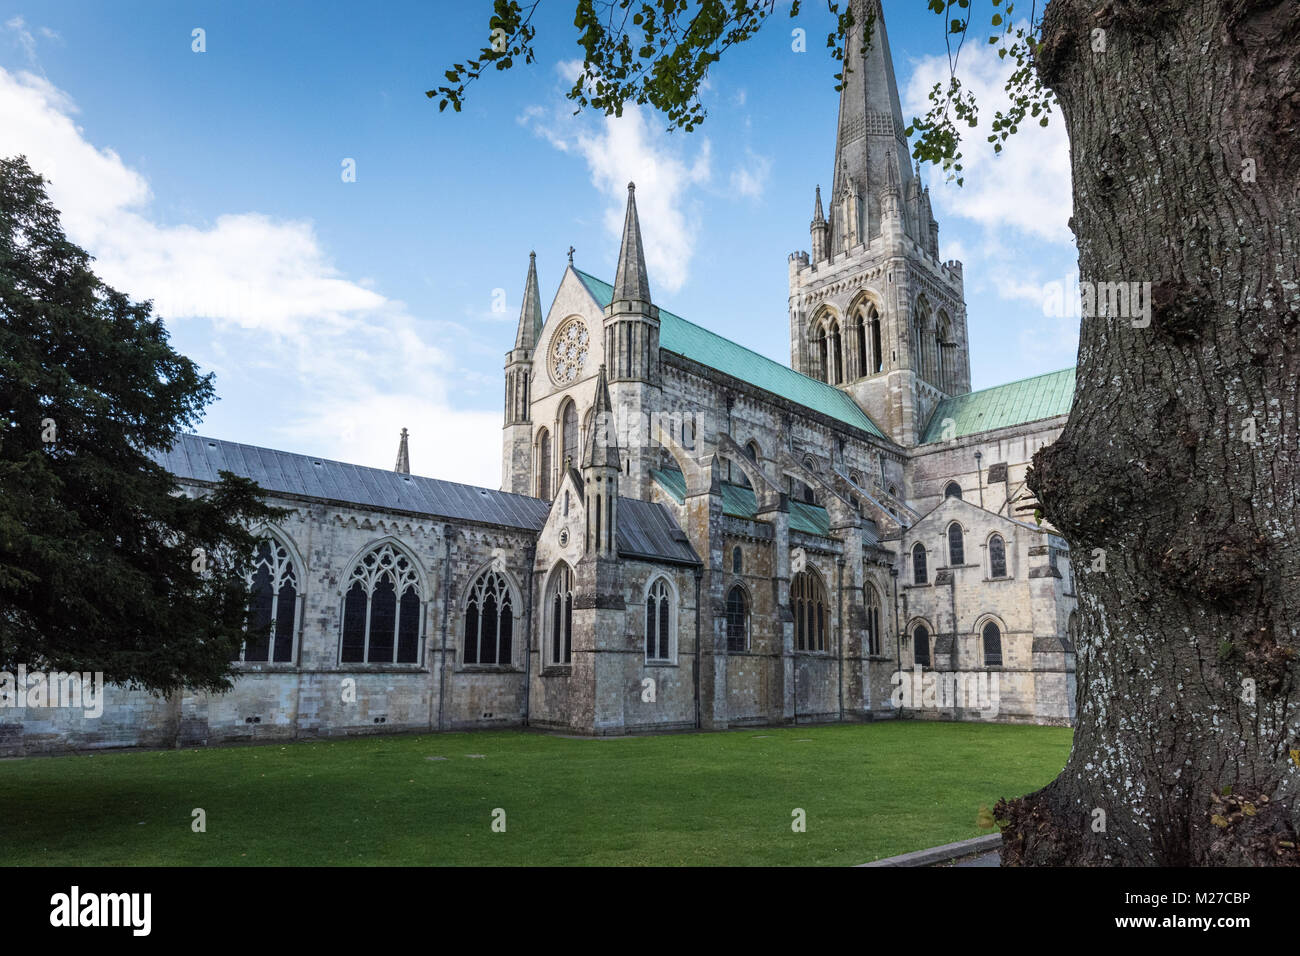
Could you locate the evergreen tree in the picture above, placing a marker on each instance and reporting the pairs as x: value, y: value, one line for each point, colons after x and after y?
x: 105, y: 565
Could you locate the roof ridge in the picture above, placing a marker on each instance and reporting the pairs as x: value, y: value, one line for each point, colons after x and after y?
x: 1016, y: 381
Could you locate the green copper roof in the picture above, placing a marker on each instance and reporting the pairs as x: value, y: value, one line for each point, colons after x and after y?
x: 708, y: 348
x: 1015, y: 403
x: 740, y: 502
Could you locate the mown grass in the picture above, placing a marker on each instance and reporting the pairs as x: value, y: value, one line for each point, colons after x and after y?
x: 868, y: 791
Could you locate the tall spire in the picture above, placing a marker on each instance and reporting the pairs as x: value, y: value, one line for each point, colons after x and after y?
x: 602, y: 443
x: 403, y: 466
x: 630, y: 281
x: 818, y: 215
x: 871, y: 135
x: 530, y: 315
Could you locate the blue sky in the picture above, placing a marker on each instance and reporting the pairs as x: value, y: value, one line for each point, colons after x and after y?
x: 335, y: 313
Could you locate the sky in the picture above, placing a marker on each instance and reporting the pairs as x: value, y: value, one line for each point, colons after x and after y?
x: 334, y: 313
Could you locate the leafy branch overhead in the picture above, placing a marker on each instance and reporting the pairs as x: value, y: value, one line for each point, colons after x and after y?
x: 658, y: 53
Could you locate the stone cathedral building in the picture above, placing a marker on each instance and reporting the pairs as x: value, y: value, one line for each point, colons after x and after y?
x: 688, y: 534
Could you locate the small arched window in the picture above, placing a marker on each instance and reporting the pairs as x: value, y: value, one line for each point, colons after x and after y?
x: 737, y: 621
x: 489, y: 621
x: 921, y: 645
x: 919, y: 575
x: 658, y: 622
x: 872, y: 602
x: 544, y: 464
x: 381, y: 609
x: 559, y: 606
x: 952, y: 490
x: 809, y: 607
x: 997, y: 557
x: 274, y: 603
x: 751, y: 449
x: 992, y: 645
x: 956, y: 546
x: 737, y: 561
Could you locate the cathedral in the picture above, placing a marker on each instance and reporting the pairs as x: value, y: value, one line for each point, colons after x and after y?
x: 687, y: 534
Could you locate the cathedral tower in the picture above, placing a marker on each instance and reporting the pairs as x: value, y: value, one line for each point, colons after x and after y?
x: 873, y: 310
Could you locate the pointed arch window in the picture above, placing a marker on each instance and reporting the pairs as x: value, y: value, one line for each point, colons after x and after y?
x: 952, y: 490
x: 559, y: 618
x: 921, y: 645
x: 737, y: 621
x: 820, y: 354
x: 837, y: 354
x: 544, y: 464
x: 737, y: 561
x: 956, y: 546
x: 809, y: 607
x: 382, y: 609
x: 860, y: 332
x: 919, y: 575
x: 877, y: 355
x: 274, y: 603
x: 992, y: 645
x: 997, y: 557
x: 872, y: 602
x: 569, y: 435
x: 489, y: 621
x: 659, y: 622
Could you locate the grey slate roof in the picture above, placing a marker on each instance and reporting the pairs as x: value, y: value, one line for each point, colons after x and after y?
x: 645, y: 529
x: 200, y: 459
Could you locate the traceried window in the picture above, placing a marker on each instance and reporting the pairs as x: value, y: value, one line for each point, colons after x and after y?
x: 568, y: 352
x: 992, y: 645
x: 274, y: 603
x: 381, y: 609
x: 489, y: 621
x: 919, y: 573
x: 559, y: 616
x: 737, y: 621
x: 921, y: 645
x: 809, y: 607
x: 952, y: 490
x: 997, y: 557
x: 956, y: 546
x: 658, y: 622
x: 872, y: 602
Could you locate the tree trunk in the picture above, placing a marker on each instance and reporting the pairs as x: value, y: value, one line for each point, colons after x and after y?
x: 1175, y: 478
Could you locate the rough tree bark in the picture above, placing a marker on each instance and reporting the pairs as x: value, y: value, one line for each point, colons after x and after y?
x: 1185, y: 148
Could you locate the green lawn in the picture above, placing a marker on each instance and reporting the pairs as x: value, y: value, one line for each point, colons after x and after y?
x: 869, y: 790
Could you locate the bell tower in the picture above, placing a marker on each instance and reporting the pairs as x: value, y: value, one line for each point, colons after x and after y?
x: 873, y: 310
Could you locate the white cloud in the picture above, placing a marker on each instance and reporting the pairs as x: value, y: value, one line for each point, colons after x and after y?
x: 26, y: 39
x: 267, y: 296
x: 619, y: 150
x: 1027, y: 187
x: 749, y: 180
